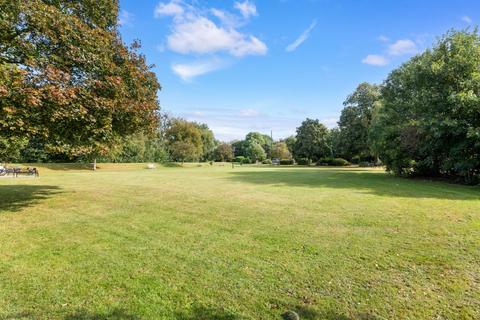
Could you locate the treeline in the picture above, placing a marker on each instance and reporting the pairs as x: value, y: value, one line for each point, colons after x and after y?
x: 71, y: 90
x: 422, y: 121
x: 174, y: 139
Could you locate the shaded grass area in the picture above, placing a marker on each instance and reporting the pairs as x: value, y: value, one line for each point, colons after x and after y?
x: 368, y: 181
x: 244, y: 243
x: 17, y: 197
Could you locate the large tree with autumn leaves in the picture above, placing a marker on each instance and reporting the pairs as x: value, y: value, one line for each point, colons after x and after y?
x: 68, y: 80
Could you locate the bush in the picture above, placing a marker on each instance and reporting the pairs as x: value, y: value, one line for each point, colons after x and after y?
x: 335, y: 162
x: 303, y: 162
x: 340, y: 162
x: 324, y: 162
x: 286, y: 162
x: 267, y: 161
x: 356, y: 160
x: 241, y: 159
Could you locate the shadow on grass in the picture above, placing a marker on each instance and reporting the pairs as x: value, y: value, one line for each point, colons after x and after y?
x: 116, y: 314
x: 203, y: 313
x: 16, y: 197
x: 68, y: 166
x: 369, y: 182
x: 200, y: 313
x: 309, y: 314
x: 172, y: 165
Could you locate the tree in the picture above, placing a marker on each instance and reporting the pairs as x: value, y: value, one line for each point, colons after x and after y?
x: 183, y: 150
x: 67, y: 80
x: 183, y: 136
x: 290, y: 141
x: 208, y: 141
x: 355, y: 121
x: 280, y: 151
x: 254, y: 151
x: 238, y: 147
x: 312, y: 141
x: 263, y: 140
x: 429, y: 124
x: 223, y: 152
x: 138, y: 148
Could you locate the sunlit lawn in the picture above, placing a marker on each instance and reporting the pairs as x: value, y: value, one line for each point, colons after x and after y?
x: 245, y: 243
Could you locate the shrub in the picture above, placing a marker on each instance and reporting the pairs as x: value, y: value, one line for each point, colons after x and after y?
x: 241, y: 159
x: 335, y: 162
x: 286, y: 162
x: 324, y: 162
x: 340, y: 162
x: 356, y: 160
x: 267, y: 161
x: 303, y: 162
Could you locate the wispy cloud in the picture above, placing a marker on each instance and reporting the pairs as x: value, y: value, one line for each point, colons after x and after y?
x: 302, y: 38
x: 226, y: 127
x: 375, y: 60
x: 467, y: 19
x: 125, y: 18
x: 189, y: 71
x: 249, y: 113
x: 246, y: 8
x: 383, y: 38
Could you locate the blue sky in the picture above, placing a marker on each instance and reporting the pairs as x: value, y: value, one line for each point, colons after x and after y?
x: 245, y: 65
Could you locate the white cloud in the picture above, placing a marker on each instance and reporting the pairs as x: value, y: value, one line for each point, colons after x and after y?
x: 125, y: 18
x: 201, y: 35
x: 224, y: 121
x: 301, y: 39
x: 173, y: 8
x: 383, y: 38
x: 467, y: 19
x: 189, y: 71
x: 402, y: 47
x: 398, y: 48
x: 194, y: 32
x: 249, y: 113
x: 227, y: 133
x: 246, y: 8
x: 375, y: 60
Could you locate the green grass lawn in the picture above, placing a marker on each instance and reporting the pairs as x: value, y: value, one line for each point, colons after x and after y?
x: 245, y: 243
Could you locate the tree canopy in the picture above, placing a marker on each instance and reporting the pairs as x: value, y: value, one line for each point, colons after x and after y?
x: 312, y: 141
x: 184, y: 140
x: 223, y: 152
x: 280, y: 151
x: 429, y: 123
x: 67, y: 79
x: 355, y: 121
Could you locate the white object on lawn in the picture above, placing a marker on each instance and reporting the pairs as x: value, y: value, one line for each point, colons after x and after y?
x: 151, y: 166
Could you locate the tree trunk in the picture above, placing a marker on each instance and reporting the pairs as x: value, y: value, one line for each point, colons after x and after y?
x: 95, y: 164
